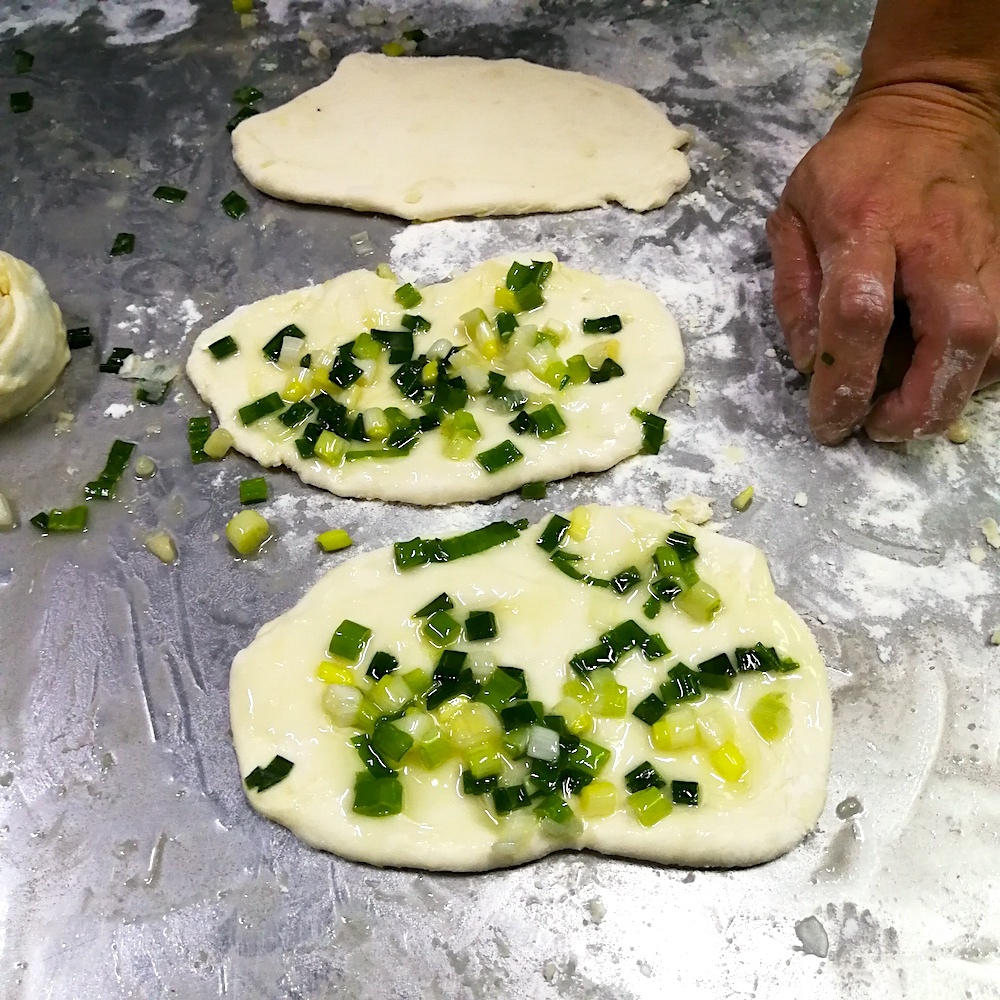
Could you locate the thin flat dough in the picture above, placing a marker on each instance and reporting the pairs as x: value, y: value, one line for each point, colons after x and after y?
x: 544, y: 617
x: 434, y: 138
x: 600, y: 428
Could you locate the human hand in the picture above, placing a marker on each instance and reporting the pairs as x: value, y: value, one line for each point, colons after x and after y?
x: 900, y: 201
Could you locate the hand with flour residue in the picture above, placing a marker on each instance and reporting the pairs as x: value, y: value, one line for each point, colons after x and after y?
x: 895, y: 215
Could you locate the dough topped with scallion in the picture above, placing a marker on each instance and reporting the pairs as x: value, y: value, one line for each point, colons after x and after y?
x: 613, y: 679
x: 520, y: 370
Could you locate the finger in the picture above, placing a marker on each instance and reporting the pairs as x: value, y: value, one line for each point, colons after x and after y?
x: 797, y: 281
x: 855, y: 313
x: 989, y: 278
x: 955, y: 330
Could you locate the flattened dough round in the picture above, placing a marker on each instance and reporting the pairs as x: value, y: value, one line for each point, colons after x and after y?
x: 600, y: 428
x: 434, y: 138
x: 544, y: 617
x: 33, y: 349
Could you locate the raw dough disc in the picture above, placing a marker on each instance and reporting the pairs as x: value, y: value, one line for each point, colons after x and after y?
x: 33, y: 349
x: 433, y: 138
x: 600, y: 428
x: 543, y: 618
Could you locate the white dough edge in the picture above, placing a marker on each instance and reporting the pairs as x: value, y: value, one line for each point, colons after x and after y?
x: 275, y: 708
x: 651, y: 355
x: 33, y: 348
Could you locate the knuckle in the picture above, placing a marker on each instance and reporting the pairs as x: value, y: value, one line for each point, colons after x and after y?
x: 973, y: 326
x: 860, y: 302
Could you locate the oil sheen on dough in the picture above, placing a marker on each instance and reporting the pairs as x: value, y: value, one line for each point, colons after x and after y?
x: 600, y: 428
x: 33, y: 349
x: 433, y: 138
x: 544, y: 617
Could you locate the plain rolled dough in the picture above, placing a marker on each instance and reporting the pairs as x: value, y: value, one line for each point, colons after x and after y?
x: 433, y: 138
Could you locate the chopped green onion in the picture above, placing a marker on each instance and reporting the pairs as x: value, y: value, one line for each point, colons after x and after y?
x: 78, y: 337
x: 759, y: 657
x: 399, y: 342
x: 390, y: 742
x: 504, y: 454
x: 272, y: 349
x: 152, y: 391
x: 642, y: 777
x: 683, y: 544
x: 199, y: 430
x: 124, y: 244
x: 113, y: 364
x: 509, y: 398
x: 144, y: 467
x: 578, y: 369
x: 681, y: 685
x: 350, y: 640
x: 253, y: 490
x: 743, y: 499
x: 296, y: 413
x: 650, y: 805
x: 334, y: 540
x: 653, y: 430
x: 480, y: 625
x: 345, y: 372
x: 534, y: 491
x: 650, y: 709
x: 103, y: 488
x: 247, y: 532
x: 700, y: 602
x: 684, y: 793
x: 506, y: 324
x: 771, y: 716
x: 263, y: 778
x: 23, y: 61
x: 440, y: 603
x: 247, y: 95
x: 377, y: 796
x: 173, y: 195
x: 21, y: 101
x: 553, y: 534
x: 262, y: 407
x: 471, y: 785
x: 440, y: 629
x: 415, y: 323
x: 242, y: 115
x: 609, y: 369
x: 393, y: 49
x: 603, y: 324
x: 545, y: 422
x: 218, y: 444
x: 504, y: 685
x: 73, y: 519
x: 508, y: 798
x: 235, y: 205
x: 407, y: 296
x: 415, y: 35
x: 382, y: 663
x: 223, y: 348
x: 419, y: 551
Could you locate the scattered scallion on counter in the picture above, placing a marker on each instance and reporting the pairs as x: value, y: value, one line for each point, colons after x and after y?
x: 743, y: 499
x: 217, y: 444
x: 235, y: 205
x: 263, y: 778
x: 198, y: 432
x: 71, y: 520
x: 253, y: 490
x: 415, y: 35
x: 223, y: 348
x: 174, y: 195
x: 23, y: 61
x: 161, y: 545
x: 123, y: 245
x: 145, y: 467
x: 333, y: 540
x: 79, y: 336
x: 247, y: 95
x: 247, y: 532
x: 103, y: 487
x: 113, y: 364
x: 21, y: 101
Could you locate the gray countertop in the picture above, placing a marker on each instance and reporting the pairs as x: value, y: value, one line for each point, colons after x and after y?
x: 130, y: 862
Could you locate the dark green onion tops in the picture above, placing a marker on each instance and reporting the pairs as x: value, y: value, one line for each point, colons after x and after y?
x: 21, y: 101
x: 263, y: 778
x: 603, y: 324
x: 223, y: 348
x: 79, y: 336
x: 123, y: 245
x: 235, y: 205
x: 174, y: 195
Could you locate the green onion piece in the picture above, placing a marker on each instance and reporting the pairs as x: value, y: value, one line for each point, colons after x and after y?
x: 21, y: 101
x: 592, y: 659
x: 235, y: 205
x: 534, y: 491
x: 263, y: 778
x: 399, y: 342
x: 415, y: 35
x: 305, y: 361
x: 553, y: 534
x: 506, y: 324
x: 650, y: 709
x: 700, y: 602
x: 547, y: 422
x: 643, y: 776
x: 441, y: 630
x: 393, y: 49
x: 223, y: 348
x: 345, y: 372
x: 247, y: 532
x: 390, y: 742
x: 771, y: 716
x: 350, y: 640
x: 262, y: 407
x: 480, y: 625
x: 23, y: 61
x: 504, y: 454
x: 78, y: 337
x: 717, y: 666
x: 759, y: 657
x: 272, y: 349
x: 603, y: 324
x: 173, y: 195
x: 253, y: 490
x: 306, y: 445
x: 578, y: 369
x: 374, y: 764
x: 124, y: 244
x: 382, y: 663
x: 609, y: 369
x: 152, y: 391
x: 418, y: 551
x: 113, y: 364
x: 440, y: 603
x: 198, y: 432
x: 520, y: 714
x: 651, y: 606
x: 653, y: 430
x: 334, y: 540
x: 683, y: 544
x: 504, y: 685
x: 471, y: 785
x: 626, y: 580
x: 509, y: 398
x: 684, y: 793
x: 743, y: 499
x: 528, y: 298
x: 417, y: 324
x: 247, y: 95
x: 103, y: 488
x: 377, y: 796
x: 242, y: 115
x: 508, y: 798
x: 407, y: 296
x: 73, y: 519
x: 681, y: 685
x: 650, y: 806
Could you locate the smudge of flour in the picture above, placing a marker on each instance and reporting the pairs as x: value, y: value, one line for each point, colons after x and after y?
x: 128, y: 22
